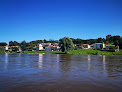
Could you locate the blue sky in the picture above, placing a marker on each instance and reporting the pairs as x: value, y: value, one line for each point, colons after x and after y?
x: 53, y: 19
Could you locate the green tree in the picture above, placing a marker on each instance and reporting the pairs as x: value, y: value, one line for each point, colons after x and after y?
x: 23, y: 45
x: 3, y: 44
x: 66, y: 44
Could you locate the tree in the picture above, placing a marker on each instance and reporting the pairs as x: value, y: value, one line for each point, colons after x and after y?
x: 66, y: 44
x: 2, y: 50
x: 10, y: 43
x: 3, y: 44
x: 23, y: 45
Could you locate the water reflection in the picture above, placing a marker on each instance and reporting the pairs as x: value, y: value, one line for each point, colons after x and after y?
x: 40, y: 62
x: 104, y: 63
x: 6, y: 61
x: 89, y: 61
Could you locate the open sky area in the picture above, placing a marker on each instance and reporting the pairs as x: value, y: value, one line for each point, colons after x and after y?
x: 53, y: 19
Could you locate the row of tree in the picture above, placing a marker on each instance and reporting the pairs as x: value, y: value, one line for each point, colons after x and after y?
x: 116, y: 40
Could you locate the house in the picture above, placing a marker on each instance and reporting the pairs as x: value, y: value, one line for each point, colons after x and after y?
x: 86, y: 46
x: 55, y: 48
x: 92, y: 46
x: 52, y: 48
x: 108, y: 46
x: 6, y: 47
x: 48, y: 48
x: 39, y: 47
x: 34, y: 48
x: 99, y: 45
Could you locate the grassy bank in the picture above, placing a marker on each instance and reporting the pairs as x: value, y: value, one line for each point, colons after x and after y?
x: 81, y: 51
x: 45, y: 52
x: 93, y: 52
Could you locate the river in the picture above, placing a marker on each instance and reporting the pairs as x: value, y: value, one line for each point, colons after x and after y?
x: 60, y: 73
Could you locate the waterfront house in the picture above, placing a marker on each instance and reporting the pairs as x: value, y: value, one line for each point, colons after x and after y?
x: 86, y: 46
x: 39, y: 47
x: 99, y: 45
x: 91, y: 46
x: 48, y: 48
x: 6, y: 47
x: 52, y: 48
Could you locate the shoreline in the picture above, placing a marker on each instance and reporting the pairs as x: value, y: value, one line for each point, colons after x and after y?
x: 74, y: 52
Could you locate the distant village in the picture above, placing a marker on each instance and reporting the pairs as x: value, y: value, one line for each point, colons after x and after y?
x: 56, y: 47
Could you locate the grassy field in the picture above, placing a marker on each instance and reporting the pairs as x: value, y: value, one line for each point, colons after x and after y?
x: 81, y: 51
x: 94, y: 52
x: 45, y: 52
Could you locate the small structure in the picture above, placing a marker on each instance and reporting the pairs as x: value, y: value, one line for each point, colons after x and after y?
x: 86, y: 46
x: 48, y: 48
x: 92, y: 46
x: 39, y: 47
x: 108, y: 46
x: 52, y: 48
x: 6, y: 47
x: 99, y: 45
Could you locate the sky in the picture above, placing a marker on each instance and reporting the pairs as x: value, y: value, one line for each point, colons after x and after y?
x: 54, y: 19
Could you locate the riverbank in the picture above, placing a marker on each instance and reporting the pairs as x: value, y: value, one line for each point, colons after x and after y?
x: 81, y: 51
x: 43, y: 52
x: 94, y: 52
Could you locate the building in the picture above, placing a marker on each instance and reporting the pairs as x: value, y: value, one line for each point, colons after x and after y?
x: 86, y: 46
x: 92, y: 46
x: 52, y: 48
x: 6, y: 47
x: 48, y: 48
x: 99, y: 45
x: 39, y: 47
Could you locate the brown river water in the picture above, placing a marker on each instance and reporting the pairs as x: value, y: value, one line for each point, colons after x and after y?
x: 60, y: 73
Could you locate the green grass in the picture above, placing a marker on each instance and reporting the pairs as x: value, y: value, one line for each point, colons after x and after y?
x: 93, y: 52
x: 81, y: 51
x: 45, y: 52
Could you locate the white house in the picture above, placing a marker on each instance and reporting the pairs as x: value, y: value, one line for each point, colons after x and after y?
x: 48, y: 48
x: 99, y: 45
x: 39, y: 47
x: 6, y: 47
x: 52, y: 48
x: 86, y: 46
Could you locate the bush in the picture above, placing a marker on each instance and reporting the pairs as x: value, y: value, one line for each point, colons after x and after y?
x: 2, y: 50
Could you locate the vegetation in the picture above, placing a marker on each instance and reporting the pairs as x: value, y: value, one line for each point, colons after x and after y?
x: 109, y: 40
x: 23, y: 46
x: 93, y: 52
x: 3, y: 44
x: 45, y: 52
x: 66, y: 44
x: 2, y: 50
x: 75, y: 52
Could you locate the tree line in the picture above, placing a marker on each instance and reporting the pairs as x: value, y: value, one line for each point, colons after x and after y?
x: 116, y: 40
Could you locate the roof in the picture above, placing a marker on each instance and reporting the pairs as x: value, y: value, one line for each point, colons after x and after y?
x: 92, y: 45
x: 34, y: 47
x: 111, y: 45
x: 6, y: 46
x: 98, y: 43
x: 85, y: 44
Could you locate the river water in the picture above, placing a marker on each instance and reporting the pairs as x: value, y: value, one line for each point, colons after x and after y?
x: 60, y: 73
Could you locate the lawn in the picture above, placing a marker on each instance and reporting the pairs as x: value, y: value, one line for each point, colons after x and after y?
x: 45, y: 52
x: 80, y: 51
x: 94, y: 52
